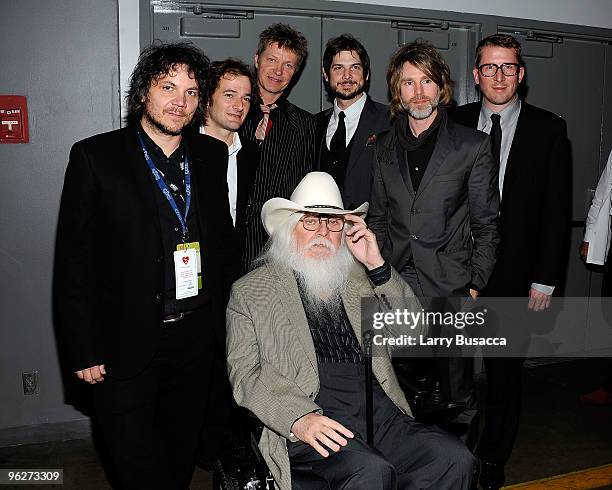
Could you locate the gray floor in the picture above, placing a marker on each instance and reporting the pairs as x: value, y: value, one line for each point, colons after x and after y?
x: 558, y: 433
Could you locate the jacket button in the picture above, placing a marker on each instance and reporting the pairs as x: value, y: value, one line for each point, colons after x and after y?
x: 414, y: 237
x: 159, y: 296
x: 159, y: 259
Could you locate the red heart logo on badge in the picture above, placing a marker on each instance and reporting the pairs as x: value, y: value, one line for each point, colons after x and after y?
x: 185, y: 260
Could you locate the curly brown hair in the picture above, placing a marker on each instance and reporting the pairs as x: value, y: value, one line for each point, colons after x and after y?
x: 158, y: 60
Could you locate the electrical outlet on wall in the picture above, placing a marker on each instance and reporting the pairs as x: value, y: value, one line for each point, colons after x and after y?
x: 30, y: 383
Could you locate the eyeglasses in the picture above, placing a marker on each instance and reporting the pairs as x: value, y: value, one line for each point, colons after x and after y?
x: 490, y: 69
x: 312, y: 222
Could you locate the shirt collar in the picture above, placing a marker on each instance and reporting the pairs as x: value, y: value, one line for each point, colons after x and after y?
x: 507, y: 114
x: 234, y: 147
x: 354, y: 111
x: 155, y: 148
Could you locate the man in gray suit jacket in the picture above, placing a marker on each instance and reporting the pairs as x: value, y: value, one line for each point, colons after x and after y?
x: 295, y: 358
x: 434, y: 197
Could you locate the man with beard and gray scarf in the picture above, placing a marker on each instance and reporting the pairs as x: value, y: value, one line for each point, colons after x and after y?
x: 295, y: 355
x: 434, y: 203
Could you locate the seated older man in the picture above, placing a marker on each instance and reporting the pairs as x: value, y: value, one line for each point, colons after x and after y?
x: 295, y: 357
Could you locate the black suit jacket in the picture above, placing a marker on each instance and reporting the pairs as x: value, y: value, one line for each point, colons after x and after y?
x: 109, y: 269
x: 442, y: 238
x: 285, y: 156
x: 535, y: 205
x: 247, y: 160
x: 374, y: 120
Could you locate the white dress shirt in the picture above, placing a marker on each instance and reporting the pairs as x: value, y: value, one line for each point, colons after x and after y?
x: 232, y: 172
x: 351, y: 119
x: 508, y: 119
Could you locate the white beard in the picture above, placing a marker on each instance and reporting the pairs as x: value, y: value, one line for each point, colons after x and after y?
x: 323, y: 279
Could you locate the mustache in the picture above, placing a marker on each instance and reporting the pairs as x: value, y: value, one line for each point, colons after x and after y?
x: 420, y: 99
x: 320, y: 241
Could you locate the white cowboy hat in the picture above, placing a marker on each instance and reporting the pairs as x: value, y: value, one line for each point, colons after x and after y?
x: 316, y: 193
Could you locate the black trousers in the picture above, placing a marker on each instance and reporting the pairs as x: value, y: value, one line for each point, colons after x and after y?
x: 502, y: 408
x: 405, y: 453
x: 152, y: 422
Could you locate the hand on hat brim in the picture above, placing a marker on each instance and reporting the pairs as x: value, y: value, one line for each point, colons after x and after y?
x: 361, y: 241
x: 276, y: 210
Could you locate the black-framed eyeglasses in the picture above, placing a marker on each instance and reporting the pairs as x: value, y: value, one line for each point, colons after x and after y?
x: 312, y: 222
x: 508, y: 69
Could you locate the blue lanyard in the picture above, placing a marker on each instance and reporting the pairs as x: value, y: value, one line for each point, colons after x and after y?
x: 164, y: 188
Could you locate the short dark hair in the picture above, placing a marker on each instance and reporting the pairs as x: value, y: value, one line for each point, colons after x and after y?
x: 500, y: 41
x: 286, y: 37
x: 346, y: 42
x: 427, y: 59
x: 230, y: 66
x: 158, y: 60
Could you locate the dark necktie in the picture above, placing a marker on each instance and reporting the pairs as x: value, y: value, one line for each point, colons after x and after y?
x: 337, y: 145
x: 496, y: 137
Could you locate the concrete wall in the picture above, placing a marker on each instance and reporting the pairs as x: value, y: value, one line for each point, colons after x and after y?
x: 62, y: 55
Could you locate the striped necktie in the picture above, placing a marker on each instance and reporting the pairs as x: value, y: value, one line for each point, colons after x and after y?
x: 264, y: 126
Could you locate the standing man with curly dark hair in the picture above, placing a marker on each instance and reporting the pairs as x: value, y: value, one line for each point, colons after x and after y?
x: 284, y: 133
x: 140, y: 270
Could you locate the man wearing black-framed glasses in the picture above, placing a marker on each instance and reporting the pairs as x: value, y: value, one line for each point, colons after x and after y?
x: 532, y: 149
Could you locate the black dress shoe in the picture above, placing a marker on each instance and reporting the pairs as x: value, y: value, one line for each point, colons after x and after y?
x: 492, y: 476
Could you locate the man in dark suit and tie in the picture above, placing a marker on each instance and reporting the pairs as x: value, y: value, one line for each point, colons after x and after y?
x: 284, y: 133
x: 140, y: 267
x: 346, y: 133
x: 530, y: 146
x: 434, y: 201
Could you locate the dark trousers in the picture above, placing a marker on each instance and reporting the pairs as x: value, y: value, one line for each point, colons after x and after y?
x: 453, y: 376
x: 152, y: 422
x: 405, y: 453
x: 502, y: 408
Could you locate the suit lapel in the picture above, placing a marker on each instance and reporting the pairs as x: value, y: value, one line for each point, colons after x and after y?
x: 441, y: 151
x: 197, y: 167
x: 141, y: 175
x: 391, y: 165
x: 351, y: 298
x: 520, y: 143
x: 362, y: 133
x: 289, y: 296
x: 321, y: 135
x: 246, y: 163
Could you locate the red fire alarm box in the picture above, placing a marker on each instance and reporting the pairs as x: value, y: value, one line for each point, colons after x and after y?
x: 13, y: 119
